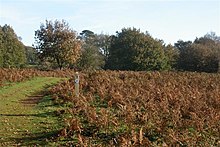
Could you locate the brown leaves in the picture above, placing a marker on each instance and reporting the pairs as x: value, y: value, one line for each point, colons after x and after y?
x: 18, y: 75
x: 55, y: 40
x: 145, y: 109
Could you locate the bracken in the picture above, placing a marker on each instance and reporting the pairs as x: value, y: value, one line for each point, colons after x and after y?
x: 122, y: 108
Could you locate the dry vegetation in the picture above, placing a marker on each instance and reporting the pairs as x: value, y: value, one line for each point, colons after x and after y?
x: 135, y: 108
x: 18, y: 75
x: 142, y: 109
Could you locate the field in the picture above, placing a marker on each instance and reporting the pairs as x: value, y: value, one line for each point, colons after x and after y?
x: 124, y: 108
x: 142, y: 109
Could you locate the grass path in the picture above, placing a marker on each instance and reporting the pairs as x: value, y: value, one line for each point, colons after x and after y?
x: 26, y: 117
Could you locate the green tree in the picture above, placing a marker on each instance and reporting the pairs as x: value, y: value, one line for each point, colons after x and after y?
x: 103, y: 42
x: 202, y: 55
x: 131, y: 49
x: 31, y: 55
x: 12, y: 49
x: 57, y: 43
x: 91, y: 54
x: 184, y: 59
x: 172, y: 55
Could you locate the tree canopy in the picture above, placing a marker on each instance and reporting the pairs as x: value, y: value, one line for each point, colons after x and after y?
x: 131, y: 49
x: 202, y: 55
x: 12, y: 50
x: 31, y: 55
x: 94, y: 50
x: 57, y: 43
x: 58, y: 46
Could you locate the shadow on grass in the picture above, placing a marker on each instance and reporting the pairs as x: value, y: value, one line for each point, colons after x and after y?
x: 43, y: 133
x: 37, y: 97
x: 47, y: 123
x: 41, y: 104
x: 32, y: 100
x: 46, y: 114
x: 36, y: 139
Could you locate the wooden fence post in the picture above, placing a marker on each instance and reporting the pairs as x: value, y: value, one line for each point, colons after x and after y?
x: 77, y: 84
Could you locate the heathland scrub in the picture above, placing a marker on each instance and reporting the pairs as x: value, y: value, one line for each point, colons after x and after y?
x: 27, y: 116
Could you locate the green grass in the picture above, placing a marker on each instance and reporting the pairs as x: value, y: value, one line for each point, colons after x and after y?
x: 23, y: 121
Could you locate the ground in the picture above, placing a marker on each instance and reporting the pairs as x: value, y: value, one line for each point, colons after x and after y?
x: 27, y: 116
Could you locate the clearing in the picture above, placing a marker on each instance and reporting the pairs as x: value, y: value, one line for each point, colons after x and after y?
x: 26, y: 116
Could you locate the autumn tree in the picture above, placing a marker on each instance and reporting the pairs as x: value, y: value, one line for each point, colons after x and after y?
x: 131, y: 49
x: 202, y: 55
x: 208, y: 52
x: 57, y: 43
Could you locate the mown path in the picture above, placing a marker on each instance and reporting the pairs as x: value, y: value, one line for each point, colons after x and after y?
x: 27, y: 117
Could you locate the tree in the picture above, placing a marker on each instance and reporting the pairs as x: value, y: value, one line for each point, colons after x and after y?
x: 31, y: 55
x: 202, y: 55
x: 57, y: 43
x: 184, y: 59
x: 212, y: 36
x: 12, y: 50
x: 172, y: 55
x: 132, y: 50
x: 103, y: 42
x: 208, y: 52
x: 91, y: 54
x: 216, y: 53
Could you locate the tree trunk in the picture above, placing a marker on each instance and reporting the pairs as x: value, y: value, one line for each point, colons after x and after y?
x: 60, y: 65
x: 219, y: 66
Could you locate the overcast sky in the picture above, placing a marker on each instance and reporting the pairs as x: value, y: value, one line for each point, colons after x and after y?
x: 169, y: 20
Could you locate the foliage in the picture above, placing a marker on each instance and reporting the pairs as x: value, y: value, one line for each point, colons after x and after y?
x: 57, y: 43
x: 18, y: 75
x: 91, y: 56
x: 103, y: 42
x: 132, y: 50
x: 202, y: 55
x: 172, y: 55
x: 142, y: 109
x: 31, y: 54
x: 91, y: 59
x: 12, y: 51
x: 184, y: 58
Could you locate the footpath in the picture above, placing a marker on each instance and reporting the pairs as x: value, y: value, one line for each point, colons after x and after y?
x: 27, y: 117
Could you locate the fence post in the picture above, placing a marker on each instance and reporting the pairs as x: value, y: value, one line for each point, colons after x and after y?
x: 77, y: 84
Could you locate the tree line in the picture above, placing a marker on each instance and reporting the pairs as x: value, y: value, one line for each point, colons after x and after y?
x: 12, y: 51
x: 58, y: 46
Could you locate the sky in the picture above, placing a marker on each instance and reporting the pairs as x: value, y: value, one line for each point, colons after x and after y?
x: 169, y: 20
